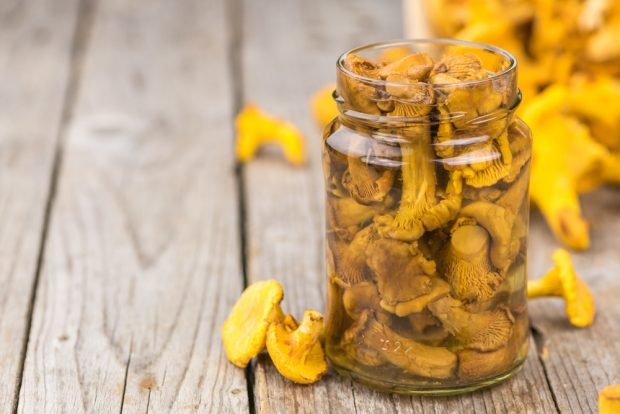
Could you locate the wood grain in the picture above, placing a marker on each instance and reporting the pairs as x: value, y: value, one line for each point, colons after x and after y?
x: 142, y: 260
x: 35, y: 63
x: 285, y: 59
x: 580, y: 362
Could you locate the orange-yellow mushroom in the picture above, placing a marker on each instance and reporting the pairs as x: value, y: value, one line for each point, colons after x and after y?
x: 245, y: 329
x: 296, y: 350
x: 563, y: 281
x: 323, y: 105
x: 609, y: 400
x: 256, y: 128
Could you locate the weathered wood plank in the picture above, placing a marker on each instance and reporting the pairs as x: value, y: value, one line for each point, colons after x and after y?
x: 35, y: 63
x: 580, y: 362
x: 142, y: 261
x: 285, y: 58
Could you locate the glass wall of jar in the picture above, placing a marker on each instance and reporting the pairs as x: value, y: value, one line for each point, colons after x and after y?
x: 426, y: 175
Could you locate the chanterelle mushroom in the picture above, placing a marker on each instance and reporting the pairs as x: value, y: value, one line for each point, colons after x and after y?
x: 609, y: 400
x: 414, y: 357
x: 485, y: 331
x: 245, y: 329
x: 401, y: 272
x: 365, y: 184
x: 466, y: 265
x: 563, y: 281
x: 256, y: 128
x: 296, y: 350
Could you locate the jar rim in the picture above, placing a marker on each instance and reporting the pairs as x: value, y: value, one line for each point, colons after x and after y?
x: 512, y: 60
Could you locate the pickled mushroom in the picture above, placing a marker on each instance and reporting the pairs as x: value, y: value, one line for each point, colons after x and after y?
x: 485, y: 331
x: 463, y: 67
x: 344, y: 213
x: 401, y: 272
x: 359, y: 297
x: 350, y: 262
x: 365, y: 184
x: 438, y: 288
x: 414, y: 357
x: 256, y: 128
x: 357, y: 94
x: 296, y: 350
x: 563, y: 281
x: 498, y: 221
x: 427, y: 329
x: 245, y: 329
x: 415, y: 66
x: 466, y: 265
x: 356, y: 349
x: 476, y: 364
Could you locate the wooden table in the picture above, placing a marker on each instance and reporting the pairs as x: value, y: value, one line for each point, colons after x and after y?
x: 127, y: 230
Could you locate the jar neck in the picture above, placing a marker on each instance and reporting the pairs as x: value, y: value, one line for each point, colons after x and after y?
x: 460, y: 121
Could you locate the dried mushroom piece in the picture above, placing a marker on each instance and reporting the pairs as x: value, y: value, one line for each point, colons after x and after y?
x: 609, y: 400
x: 256, y: 128
x: 245, y: 329
x: 485, y: 331
x: 401, y: 272
x: 563, y: 281
x: 413, y: 357
x: 466, y: 265
x: 296, y: 350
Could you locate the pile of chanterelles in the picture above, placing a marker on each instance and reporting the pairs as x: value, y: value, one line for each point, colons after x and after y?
x: 569, y: 72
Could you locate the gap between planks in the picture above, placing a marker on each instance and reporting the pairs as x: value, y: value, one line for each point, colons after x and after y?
x: 81, y: 36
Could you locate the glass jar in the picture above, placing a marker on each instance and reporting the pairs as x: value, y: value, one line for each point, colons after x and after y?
x: 426, y: 175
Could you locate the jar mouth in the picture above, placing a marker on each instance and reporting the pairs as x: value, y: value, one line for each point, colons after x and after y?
x: 508, y: 64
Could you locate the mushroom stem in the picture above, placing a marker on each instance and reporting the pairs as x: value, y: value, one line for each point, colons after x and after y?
x: 563, y: 281
x: 418, y: 182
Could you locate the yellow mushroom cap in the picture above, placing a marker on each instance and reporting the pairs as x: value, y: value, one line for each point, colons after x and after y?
x: 256, y: 128
x: 245, y: 329
x: 296, y: 350
x: 323, y: 105
x: 563, y: 281
x: 609, y: 400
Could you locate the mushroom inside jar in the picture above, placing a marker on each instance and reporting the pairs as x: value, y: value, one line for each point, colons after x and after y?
x: 426, y: 171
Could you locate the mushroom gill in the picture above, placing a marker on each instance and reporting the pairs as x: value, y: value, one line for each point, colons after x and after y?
x: 485, y: 331
x: 465, y: 264
x: 296, y: 350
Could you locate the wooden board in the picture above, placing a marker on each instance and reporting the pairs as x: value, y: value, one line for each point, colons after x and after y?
x: 142, y: 260
x: 35, y: 65
x: 580, y: 362
x: 285, y: 59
